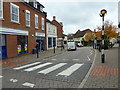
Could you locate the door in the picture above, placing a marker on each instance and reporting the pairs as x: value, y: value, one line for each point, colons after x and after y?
x: 3, y: 48
x: 42, y: 45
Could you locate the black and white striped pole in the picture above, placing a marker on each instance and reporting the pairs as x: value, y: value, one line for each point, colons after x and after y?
x: 102, y: 14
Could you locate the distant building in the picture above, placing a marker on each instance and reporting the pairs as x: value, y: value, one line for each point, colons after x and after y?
x: 51, y: 34
x: 79, y: 36
x: 59, y: 31
x: 23, y: 25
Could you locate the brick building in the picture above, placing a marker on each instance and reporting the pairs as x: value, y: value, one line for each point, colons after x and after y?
x: 59, y: 31
x: 22, y: 24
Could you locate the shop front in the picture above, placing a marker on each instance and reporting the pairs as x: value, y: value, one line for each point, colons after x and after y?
x: 40, y: 39
x: 51, y: 41
x: 13, y: 42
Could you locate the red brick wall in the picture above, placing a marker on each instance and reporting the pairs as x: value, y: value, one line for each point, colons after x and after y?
x: 11, y: 41
x: 22, y: 25
x: 59, y: 28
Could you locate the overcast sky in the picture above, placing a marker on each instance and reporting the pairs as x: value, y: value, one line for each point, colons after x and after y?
x: 80, y: 14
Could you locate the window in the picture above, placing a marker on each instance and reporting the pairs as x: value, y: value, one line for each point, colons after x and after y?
x: 49, y: 42
x: 36, y: 21
x: 41, y: 8
x: 43, y: 25
x: 35, y: 4
x: 27, y: 18
x: 1, y: 9
x: 22, y: 42
x: 26, y: 1
x: 14, y: 13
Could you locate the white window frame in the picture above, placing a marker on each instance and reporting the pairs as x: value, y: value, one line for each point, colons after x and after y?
x: 36, y: 21
x: 1, y: 9
x: 27, y: 11
x: 11, y: 4
x: 35, y: 4
x: 43, y: 23
x: 41, y: 8
x: 26, y: 1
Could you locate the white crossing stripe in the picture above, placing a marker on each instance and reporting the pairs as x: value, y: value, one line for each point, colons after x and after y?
x: 28, y: 84
x: 48, y: 70
x: 70, y: 70
x: 28, y: 65
x: 1, y: 76
x: 76, y: 59
x: 54, y: 59
x: 13, y: 80
x: 37, y: 67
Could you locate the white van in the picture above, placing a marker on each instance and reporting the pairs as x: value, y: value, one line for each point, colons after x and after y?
x: 71, y: 45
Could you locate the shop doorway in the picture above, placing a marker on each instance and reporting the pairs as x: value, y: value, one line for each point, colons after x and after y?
x: 40, y: 42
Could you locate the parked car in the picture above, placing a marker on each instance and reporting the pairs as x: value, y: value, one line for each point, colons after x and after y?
x: 71, y: 45
x: 79, y: 45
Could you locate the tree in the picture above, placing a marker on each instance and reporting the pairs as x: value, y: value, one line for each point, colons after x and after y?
x: 110, y: 30
x: 89, y: 36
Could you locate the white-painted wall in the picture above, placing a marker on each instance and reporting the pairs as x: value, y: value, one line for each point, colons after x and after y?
x: 51, y: 31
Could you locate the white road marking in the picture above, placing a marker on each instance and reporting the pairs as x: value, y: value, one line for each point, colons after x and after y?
x: 64, y: 59
x: 48, y: 70
x: 24, y: 66
x: 88, y: 58
x: 54, y: 59
x: 28, y: 84
x: 76, y: 59
x: 1, y: 76
x: 37, y: 67
x: 70, y: 70
x: 13, y: 80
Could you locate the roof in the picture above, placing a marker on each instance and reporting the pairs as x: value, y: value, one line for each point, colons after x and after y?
x: 49, y: 21
x: 81, y: 33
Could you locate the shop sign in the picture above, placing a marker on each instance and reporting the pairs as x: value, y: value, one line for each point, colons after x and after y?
x: 40, y: 34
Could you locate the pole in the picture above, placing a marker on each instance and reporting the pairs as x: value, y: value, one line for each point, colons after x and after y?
x: 103, y: 55
x: 37, y: 53
x: 54, y: 48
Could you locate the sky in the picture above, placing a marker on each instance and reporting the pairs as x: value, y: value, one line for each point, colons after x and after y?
x: 80, y: 14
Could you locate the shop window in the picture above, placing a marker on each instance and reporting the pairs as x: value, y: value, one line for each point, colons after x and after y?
x: 22, y: 42
x: 49, y: 42
x: 54, y: 41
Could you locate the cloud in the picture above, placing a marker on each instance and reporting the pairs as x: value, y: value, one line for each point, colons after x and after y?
x: 81, y: 15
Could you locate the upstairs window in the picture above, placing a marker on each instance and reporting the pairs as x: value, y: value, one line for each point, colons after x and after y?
x: 26, y: 1
x: 43, y: 24
x: 27, y: 18
x: 14, y: 13
x: 36, y: 21
x: 41, y: 8
x: 35, y: 4
x: 1, y: 9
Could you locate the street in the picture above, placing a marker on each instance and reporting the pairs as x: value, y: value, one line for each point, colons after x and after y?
x: 66, y: 70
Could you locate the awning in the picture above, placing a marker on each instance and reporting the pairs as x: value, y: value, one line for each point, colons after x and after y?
x: 12, y: 31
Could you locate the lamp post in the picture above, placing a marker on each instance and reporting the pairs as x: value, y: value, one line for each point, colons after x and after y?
x: 102, y: 14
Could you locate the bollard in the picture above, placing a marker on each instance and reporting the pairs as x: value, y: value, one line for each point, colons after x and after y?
x: 54, y: 48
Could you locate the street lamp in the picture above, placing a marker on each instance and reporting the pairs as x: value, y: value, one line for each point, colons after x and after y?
x: 102, y: 14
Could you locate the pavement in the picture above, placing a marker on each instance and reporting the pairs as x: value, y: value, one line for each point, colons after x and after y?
x: 101, y: 75
x: 105, y: 75
x: 30, y: 58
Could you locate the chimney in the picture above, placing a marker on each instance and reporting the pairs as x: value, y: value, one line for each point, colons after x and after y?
x: 54, y: 18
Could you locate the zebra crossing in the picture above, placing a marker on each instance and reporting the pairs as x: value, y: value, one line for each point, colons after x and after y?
x: 50, y: 67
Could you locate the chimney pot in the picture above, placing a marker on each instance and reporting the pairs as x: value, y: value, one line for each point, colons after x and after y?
x: 54, y: 18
